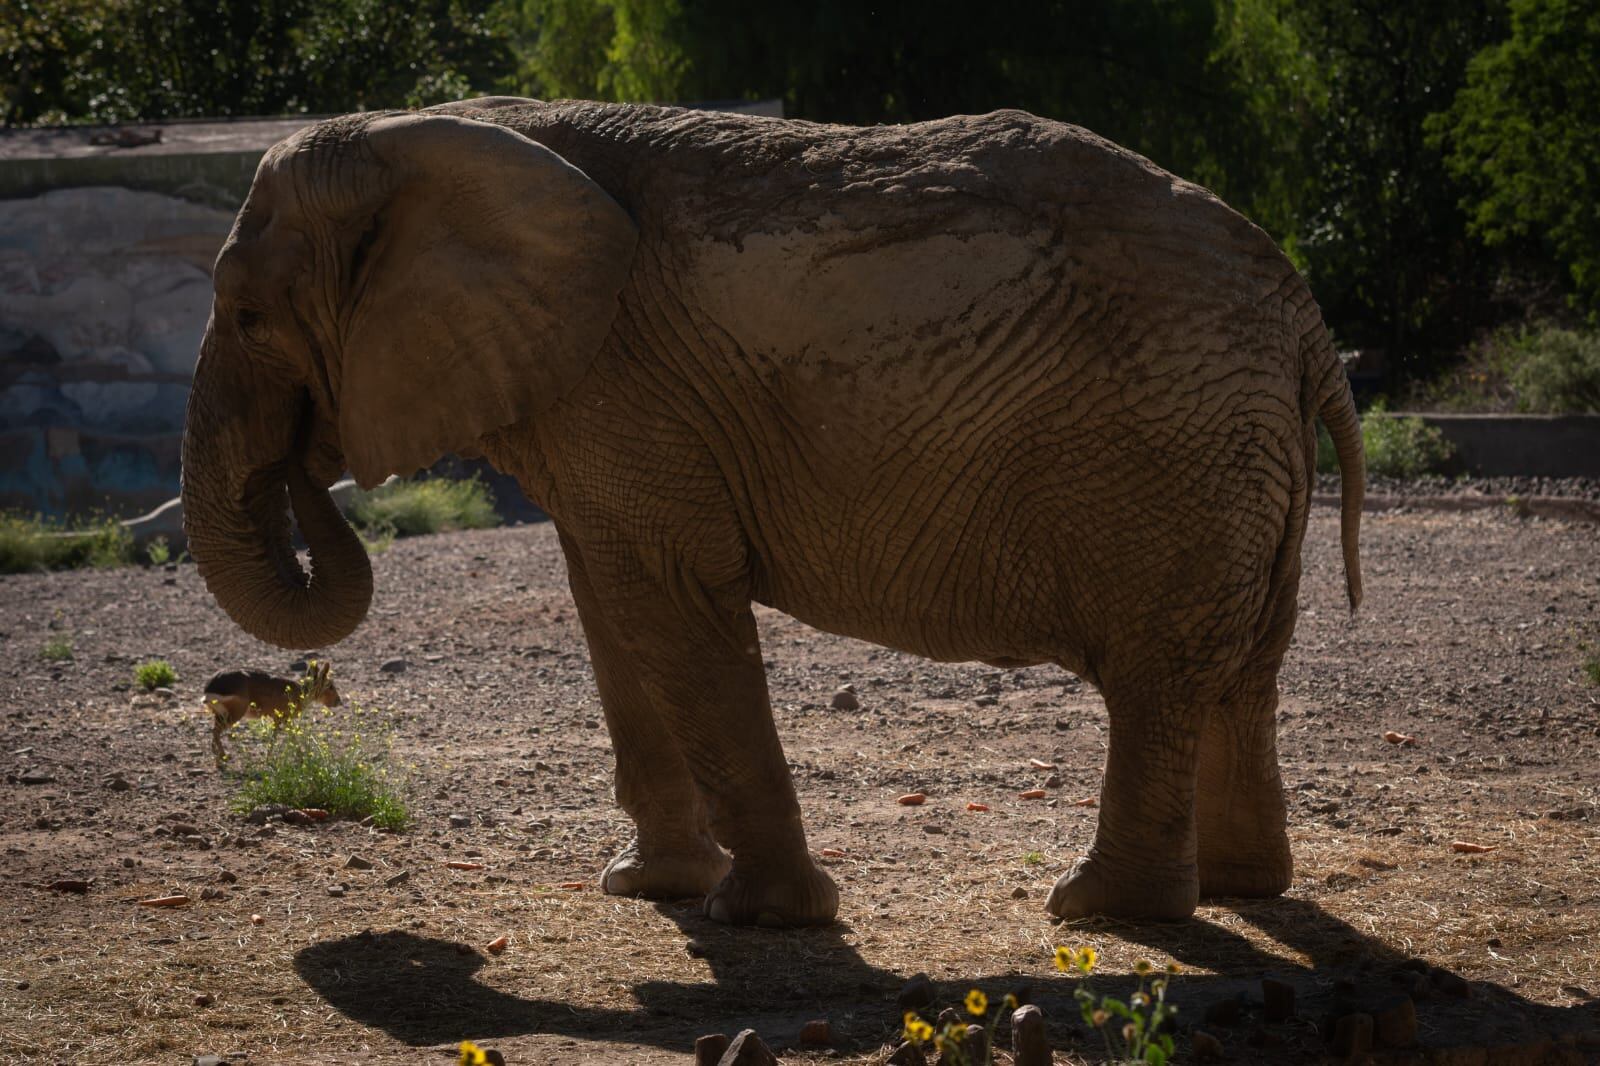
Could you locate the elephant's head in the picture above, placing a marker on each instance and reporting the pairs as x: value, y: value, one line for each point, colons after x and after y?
x: 394, y: 288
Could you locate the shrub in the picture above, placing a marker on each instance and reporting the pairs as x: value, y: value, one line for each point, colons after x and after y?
x: 158, y: 551
x: 413, y: 508
x: 33, y: 542
x: 1394, y: 447
x: 338, y: 760
x: 58, y: 649
x: 1556, y: 371
x: 154, y: 674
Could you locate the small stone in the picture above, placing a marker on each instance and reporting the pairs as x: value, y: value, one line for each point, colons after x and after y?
x: 227, y: 877
x: 262, y: 815
x: 1019, y: 893
x: 1352, y: 1035
x: 297, y: 817
x: 1206, y: 1046
x: 163, y: 693
x: 393, y: 666
x: 949, y: 1018
x: 356, y: 862
x: 817, y: 1033
x: 69, y: 884
x: 117, y: 783
x: 1278, y: 999
x: 1053, y: 781
x: 907, y: 1054
x: 127, y: 862
x: 256, y: 919
x: 976, y: 1046
x: 36, y: 777
x: 460, y: 821
x: 1224, y: 1012
x: 915, y: 994
x: 1029, y: 1045
x: 397, y: 879
x: 1395, y: 1025
x: 747, y: 1050
x: 209, y: 1060
x: 213, y: 893
x: 336, y: 890
x: 846, y: 700
x: 203, y: 999
x: 709, y: 1048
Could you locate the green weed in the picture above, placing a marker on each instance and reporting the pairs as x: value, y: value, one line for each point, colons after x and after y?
x: 1538, y: 369
x: 413, y: 508
x: 34, y: 542
x: 58, y: 649
x: 1033, y: 858
x: 154, y: 674
x: 1394, y: 447
x: 1591, y: 669
x: 335, y: 759
x: 1134, y: 1031
x: 158, y: 551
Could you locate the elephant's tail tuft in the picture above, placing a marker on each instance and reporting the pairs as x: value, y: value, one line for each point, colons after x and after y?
x: 1337, y: 409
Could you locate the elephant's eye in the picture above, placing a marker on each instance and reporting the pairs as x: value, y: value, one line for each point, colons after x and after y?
x: 252, y: 325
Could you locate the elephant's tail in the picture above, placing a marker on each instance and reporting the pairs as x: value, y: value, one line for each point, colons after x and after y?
x: 1337, y: 409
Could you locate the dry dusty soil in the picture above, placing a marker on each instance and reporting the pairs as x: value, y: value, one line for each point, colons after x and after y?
x: 1471, y: 641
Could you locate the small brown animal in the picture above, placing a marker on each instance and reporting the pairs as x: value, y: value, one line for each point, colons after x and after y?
x: 235, y: 695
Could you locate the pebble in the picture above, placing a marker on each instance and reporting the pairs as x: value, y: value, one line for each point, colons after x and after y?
x: 116, y: 783
x: 69, y: 884
x: 356, y: 862
x: 337, y: 890
x: 36, y: 777
x: 1278, y: 999
x: 915, y: 994
x: 709, y: 1048
x: 817, y: 1033
x: 297, y: 817
x: 203, y: 999
x: 256, y: 919
x: 907, y: 1054
x: 393, y: 666
x: 846, y: 700
x: 1352, y: 1035
x: 460, y: 821
x: 1019, y: 893
x: 1053, y: 781
x: 397, y: 879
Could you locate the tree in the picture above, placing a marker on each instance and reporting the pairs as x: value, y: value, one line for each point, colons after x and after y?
x: 1523, y: 137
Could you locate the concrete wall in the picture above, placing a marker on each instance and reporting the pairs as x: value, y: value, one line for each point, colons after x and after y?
x: 1519, y: 445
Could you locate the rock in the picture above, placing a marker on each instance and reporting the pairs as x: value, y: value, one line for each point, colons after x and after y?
x: 227, y: 877
x: 116, y: 783
x: 1224, y: 1012
x: 460, y: 821
x: 1352, y: 1035
x: 915, y: 994
x: 262, y: 815
x: 69, y: 884
x: 213, y: 893
x: 709, y: 1048
x: 846, y: 700
x: 397, y: 879
x: 907, y: 1054
x: 337, y: 890
x: 1395, y: 1025
x: 210, y: 1060
x: 393, y: 666
x: 356, y: 862
x: 1029, y: 1045
x: 36, y: 777
x: 949, y: 1018
x: 163, y: 693
x: 975, y: 1048
x: 817, y: 1033
x: 297, y: 817
x: 1053, y: 781
x: 1278, y: 997
x: 1206, y: 1046
x: 747, y: 1050
x: 203, y: 999
x: 1019, y: 893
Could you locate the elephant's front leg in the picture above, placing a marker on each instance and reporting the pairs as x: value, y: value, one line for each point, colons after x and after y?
x: 695, y: 657
x: 673, y: 855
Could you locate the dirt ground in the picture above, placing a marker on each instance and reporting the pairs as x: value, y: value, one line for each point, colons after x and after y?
x: 1469, y: 641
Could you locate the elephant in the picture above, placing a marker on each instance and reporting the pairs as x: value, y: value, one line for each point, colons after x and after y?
x: 988, y: 388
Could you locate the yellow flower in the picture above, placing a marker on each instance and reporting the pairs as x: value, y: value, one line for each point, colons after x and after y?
x: 1174, y: 968
x: 1139, y: 1000
x: 1086, y: 959
x: 471, y: 1055
x: 1099, y: 1018
x: 916, y: 1029
x: 977, y: 1003
x: 1010, y: 1001
x: 1142, y: 967
x: 1064, y: 959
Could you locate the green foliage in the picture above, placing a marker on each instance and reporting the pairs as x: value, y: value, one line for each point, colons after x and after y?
x: 158, y: 551
x: 1539, y: 369
x: 1033, y: 858
x: 1591, y: 669
x: 154, y: 674
x: 33, y: 542
x: 58, y: 649
x: 413, y: 508
x: 1394, y: 447
x: 338, y: 760
x: 1133, y: 1031
x: 1523, y: 136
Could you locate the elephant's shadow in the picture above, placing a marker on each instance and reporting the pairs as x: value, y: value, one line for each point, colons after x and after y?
x: 423, y: 991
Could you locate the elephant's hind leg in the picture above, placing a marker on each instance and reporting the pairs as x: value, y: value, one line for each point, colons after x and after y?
x: 1142, y: 863
x: 673, y: 855
x: 1241, y: 817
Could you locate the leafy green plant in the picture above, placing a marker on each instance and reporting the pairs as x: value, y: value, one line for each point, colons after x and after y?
x: 413, y: 508
x: 158, y: 551
x: 1401, y: 447
x: 34, y: 542
x: 1537, y: 369
x: 154, y: 673
x: 1133, y: 1031
x: 1591, y: 669
x: 1032, y: 858
x: 338, y: 760
x: 58, y: 649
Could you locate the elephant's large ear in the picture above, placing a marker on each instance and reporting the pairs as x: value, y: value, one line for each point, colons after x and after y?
x: 483, y: 278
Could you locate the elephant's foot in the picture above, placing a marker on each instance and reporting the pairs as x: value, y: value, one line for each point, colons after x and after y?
x: 802, y: 896
x: 1093, y: 887
x: 1262, y: 870
x: 665, y: 873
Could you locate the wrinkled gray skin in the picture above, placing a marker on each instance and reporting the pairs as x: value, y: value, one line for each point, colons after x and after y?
x: 979, y: 389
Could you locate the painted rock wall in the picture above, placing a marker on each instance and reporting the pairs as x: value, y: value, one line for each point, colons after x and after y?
x: 104, y: 295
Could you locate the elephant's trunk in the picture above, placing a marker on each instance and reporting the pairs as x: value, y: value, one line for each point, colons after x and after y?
x: 242, y: 470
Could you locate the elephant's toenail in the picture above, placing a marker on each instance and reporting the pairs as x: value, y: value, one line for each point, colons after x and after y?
x: 770, y: 920
x: 717, y: 910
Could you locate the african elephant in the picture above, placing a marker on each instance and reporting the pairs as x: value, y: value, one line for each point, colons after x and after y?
x: 988, y: 388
